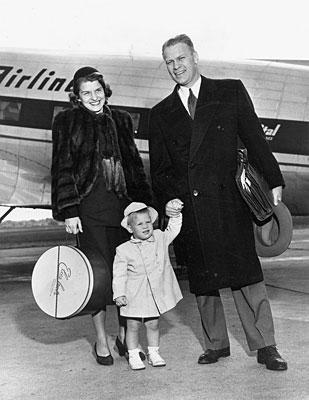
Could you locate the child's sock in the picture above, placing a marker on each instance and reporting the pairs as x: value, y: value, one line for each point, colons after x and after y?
x: 154, y: 357
x: 134, y: 352
x: 152, y: 349
x: 135, y: 361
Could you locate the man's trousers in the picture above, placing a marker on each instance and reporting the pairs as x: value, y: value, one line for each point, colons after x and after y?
x: 254, y: 311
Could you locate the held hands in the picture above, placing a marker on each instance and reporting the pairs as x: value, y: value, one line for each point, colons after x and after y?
x: 173, y: 208
x: 277, y: 194
x: 121, y: 301
x: 73, y: 225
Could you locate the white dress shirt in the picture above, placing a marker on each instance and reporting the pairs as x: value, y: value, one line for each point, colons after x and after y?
x: 183, y: 92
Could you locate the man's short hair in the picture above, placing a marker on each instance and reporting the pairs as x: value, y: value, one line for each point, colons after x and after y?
x: 178, y: 39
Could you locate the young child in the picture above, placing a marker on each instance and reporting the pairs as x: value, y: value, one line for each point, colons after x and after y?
x: 144, y: 282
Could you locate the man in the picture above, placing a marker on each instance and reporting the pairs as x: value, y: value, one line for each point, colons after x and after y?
x: 194, y: 134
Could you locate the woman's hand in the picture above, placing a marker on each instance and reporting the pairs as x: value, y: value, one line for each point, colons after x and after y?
x: 121, y: 301
x: 73, y: 225
x: 173, y: 208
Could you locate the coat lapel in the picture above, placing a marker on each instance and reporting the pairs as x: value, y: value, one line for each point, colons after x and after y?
x: 206, y: 107
x: 176, y: 116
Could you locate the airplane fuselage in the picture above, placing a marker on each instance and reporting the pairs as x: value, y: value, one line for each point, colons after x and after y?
x: 34, y: 87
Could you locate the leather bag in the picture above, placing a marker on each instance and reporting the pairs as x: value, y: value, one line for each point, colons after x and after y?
x: 253, y: 188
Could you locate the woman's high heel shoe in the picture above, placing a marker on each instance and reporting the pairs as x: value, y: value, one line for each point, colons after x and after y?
x: 121, y: 348
x: 103, y: 360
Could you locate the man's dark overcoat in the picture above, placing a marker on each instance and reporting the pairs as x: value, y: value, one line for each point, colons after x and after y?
x: 196, y: 161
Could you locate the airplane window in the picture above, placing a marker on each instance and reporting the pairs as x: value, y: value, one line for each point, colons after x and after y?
x: 136, y: 118
x: 9, y: 110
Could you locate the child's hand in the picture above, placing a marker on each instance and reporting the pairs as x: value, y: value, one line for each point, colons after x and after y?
x: 173, y: 208
x: 121, y: 301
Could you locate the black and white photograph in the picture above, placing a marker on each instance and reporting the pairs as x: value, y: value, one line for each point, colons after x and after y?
x: 154, y: 200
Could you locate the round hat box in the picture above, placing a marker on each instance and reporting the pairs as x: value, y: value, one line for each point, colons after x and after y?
x: 66, y: 282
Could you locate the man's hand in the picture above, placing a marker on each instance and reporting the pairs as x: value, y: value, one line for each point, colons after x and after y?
x: 173, y: 208
x: 121, y: 301
x: 73, y: 225
x: 277, y: 194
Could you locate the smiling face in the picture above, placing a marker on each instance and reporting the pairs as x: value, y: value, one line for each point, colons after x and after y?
x: 92, y: 96
x: 140, y: 225
x: 181, y: 64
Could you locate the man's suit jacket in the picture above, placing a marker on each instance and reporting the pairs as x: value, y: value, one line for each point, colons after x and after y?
x: 196, y: 161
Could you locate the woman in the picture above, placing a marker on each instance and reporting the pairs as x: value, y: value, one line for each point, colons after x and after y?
x: 96, y: 171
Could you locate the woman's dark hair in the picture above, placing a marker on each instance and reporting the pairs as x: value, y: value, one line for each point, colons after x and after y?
x: 88, y: 74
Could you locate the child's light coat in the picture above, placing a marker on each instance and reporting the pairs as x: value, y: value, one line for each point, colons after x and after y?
x: 143, y: 273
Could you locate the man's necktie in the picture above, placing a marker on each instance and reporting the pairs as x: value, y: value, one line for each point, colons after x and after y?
x: 191, y: 103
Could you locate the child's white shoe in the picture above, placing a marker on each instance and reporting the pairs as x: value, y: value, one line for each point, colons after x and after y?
x: 135, y: 361
x: 154, y: 357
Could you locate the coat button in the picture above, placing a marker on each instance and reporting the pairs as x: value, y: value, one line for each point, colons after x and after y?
x: 195, y: 192
x: 192, y: 164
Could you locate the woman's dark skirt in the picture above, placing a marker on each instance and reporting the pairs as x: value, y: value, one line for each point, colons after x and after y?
x: 99, y: 243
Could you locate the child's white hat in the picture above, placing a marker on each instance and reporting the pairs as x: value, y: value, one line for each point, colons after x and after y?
x: 135, y: 206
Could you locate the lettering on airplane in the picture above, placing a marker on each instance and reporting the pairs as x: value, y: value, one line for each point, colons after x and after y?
x: 44, y: 79
x: 269, y: 132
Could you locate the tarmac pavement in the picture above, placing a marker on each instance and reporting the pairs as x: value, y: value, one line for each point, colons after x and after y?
x: 43, y: 358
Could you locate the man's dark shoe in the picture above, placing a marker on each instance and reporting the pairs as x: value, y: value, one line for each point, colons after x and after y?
x: 212, y: 356
x: 271, y: 358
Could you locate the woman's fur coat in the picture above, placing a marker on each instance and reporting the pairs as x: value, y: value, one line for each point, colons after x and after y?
x: 76, y: 159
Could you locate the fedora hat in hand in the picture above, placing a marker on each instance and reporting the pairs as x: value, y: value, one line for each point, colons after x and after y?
x: 274, y: 237
x: 135, y: 206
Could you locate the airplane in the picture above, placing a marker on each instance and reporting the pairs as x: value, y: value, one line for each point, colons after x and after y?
x: 34, y: 87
